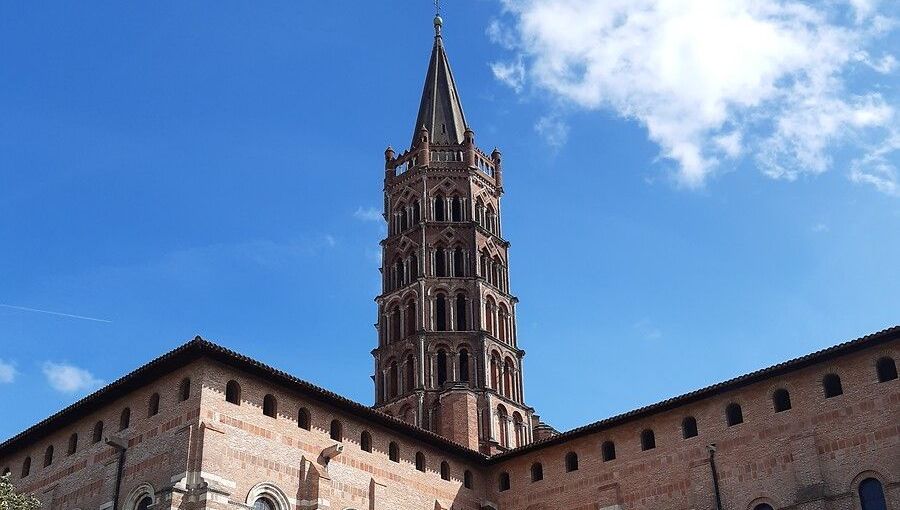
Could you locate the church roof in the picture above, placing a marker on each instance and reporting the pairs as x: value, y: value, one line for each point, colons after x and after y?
x: 200, y: 348
x: 440, y: 110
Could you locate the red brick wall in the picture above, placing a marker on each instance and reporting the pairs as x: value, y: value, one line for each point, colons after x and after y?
x: 809, y: 456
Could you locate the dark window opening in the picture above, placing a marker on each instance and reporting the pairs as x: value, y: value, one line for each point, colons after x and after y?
x: 689, y: 427
x: 887, y: 369
x: 440, y: 312
x: 781, y: 400
x: 420, y: 461
x: 365, y: 441
x: 464, y: 365
x: 394, y: 452
x: 871, y: 495
x: 504, y: 482
x: 456, y: 209
x: 445, y: 470
x: 441, y: 367
x: 571, y: 462
x: 537, y: 472
x: 608, y: 451
x: 270, y: 406
x: 184, y: 390
x: 733, y: 414
x: 460, y: 312
x: 97, y: 436
x: 153, y: 405
x: 233, y: 393
x: 73, y: 444
x: 26, y: 467
x: 303, y: 419
x: 337, y: 432
x: 440, y: 262
x: 48, y: 456
x: 467, y: 479
x: 125, y: 419
x: 648, y: 440
x: 831, y: 384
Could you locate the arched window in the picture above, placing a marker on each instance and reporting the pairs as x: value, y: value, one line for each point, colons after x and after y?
x: 831, y: 384
x: 270, y: 406
x: 495, y: 371
x: 503, y: 418
x: 504, y: 482
x: 413, y: 267
x: 365, y: 441
x: 337, y: 431
x: 464, y: 365
x: 411, y: 318
x: 233, y: 393
x: 871, y: 495
x: 456, y: 209
x: 887, y: 369
x: 144, y: 503
x: 393, y: 452
x: 416, y: 215
x: 445, y: 470
x: 489, y: 218
x: 153, y: 405
x: 537, y: 472
x: 404, y: 219
x: 97, y: 435
x: 303, y: 419
x: 571, y: 462
x: 485, y: 257
x: 489, y: 307
x: 781, y: 400
x: 608, y: 451
x: 125, y: 419
x: 26, y: 467
x: 73, y: 444
x: 440, y: 312
x: 733, y: 414
x: 503, y: 322
x: 395, y: 323
x: 460, y: 312
x: 508, y: 378
x: 440, y: 211
x: 648, y: 440
x: 420, y: 461
x: 441, y: 367
x: 440, y: 262
x: 398, y: 270
x: 263, y: 504
x: 458, y: 262
x: 518, y: 429
x: 48, y: 456
x: 763, y: 506
x: 184, y: 389
x: 689, y: 427
x: 467, y: 479
x: 393, y: 378
x: 410, y: 378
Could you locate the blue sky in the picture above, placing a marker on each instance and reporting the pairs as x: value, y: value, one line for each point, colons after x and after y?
x: 685, y: 202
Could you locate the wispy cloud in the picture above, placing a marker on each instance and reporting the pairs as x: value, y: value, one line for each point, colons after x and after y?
x: 820, y: 228
x: 877, y: 168
x: 554, y: 130
x: 368, y: 214
x: 67, y: 378
x: 647, y: 330
x: 713, y: 81
x: 8, y: 372
x: 58, y: 314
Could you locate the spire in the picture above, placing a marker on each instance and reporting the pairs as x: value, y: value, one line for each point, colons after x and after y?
x: 440, y: 111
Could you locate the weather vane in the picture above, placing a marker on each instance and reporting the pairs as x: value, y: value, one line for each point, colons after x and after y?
x: 437, y: 7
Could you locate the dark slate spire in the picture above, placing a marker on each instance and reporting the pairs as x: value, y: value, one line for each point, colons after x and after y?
x: 440, y: 110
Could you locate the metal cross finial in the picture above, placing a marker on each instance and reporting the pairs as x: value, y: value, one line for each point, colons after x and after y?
x: 437, y: 7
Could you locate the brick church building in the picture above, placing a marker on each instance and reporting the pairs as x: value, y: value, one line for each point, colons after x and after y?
x: 203, y: 427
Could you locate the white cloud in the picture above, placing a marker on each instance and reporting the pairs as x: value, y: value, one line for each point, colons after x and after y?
x: 7, y: 372
x: 512, y: 74
x: 553, y: 129
x: 68, y: 378
x: 876, y: 168
x: 709, y: 80
x: 820, y: 228
x: 368, y: 214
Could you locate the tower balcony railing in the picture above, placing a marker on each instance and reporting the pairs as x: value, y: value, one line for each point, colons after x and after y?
x: 450, y: 157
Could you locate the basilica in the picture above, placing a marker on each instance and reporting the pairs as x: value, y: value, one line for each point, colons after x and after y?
x: 204, y: 427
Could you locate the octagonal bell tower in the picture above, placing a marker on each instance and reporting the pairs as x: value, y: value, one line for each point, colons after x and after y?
x: 447, y: 356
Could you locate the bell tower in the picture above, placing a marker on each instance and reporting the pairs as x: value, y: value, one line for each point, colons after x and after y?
x: 447, y: 357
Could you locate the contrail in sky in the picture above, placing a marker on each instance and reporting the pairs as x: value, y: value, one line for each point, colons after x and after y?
x: 25, y: 308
